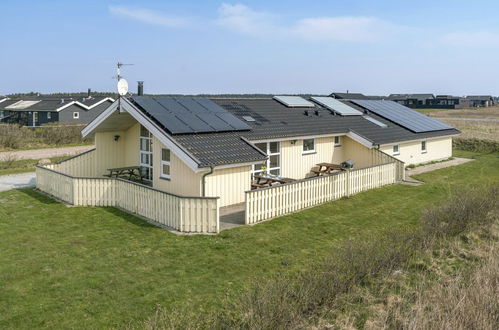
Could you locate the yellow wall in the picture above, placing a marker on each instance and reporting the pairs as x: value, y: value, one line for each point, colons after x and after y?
x: 111, y: 153
x: 410, y: 152
x: 229, y: 184
x: 184, y: 181
x: 297, y: 165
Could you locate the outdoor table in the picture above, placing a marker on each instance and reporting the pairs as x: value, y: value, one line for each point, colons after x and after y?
x: 263, y: 180
x: 328, y: 168
x: 130, y: 171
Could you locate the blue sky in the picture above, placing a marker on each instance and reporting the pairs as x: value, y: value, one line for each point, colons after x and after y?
x: 374, y: 47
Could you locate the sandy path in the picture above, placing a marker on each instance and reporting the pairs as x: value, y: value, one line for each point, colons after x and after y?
x: 43, y: 153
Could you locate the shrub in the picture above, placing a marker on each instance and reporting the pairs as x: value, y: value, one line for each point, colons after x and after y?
x: 476, y: 145
x: 464, y: 210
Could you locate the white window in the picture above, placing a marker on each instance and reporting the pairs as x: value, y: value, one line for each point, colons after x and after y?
x: 337, y: 141
x: 308, y: 146
x: 35, y: 118
x: 423, y: 146
x: 145, y: 153
x: 396, y: 150
x: 76, y: 115
x: 165, y: 163
x: 49, y: 115
x: 273, y: 163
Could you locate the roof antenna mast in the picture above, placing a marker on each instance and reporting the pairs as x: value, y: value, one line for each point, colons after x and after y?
x: 122, y: 83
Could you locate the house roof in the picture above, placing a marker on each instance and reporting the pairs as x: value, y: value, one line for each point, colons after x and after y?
x: 349, y: 96
x: 479, y: 97
x: 273, y: 120
x: 51, y: 103
x: 420, y: 97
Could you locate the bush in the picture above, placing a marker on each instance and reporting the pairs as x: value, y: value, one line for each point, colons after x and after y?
x: 475, y: 145
x: 463, y: 211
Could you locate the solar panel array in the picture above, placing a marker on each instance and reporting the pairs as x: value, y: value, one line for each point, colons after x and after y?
x: 183, y: 115
x: 402, y: 115
x: 294, y: 101
x: 336, y: 106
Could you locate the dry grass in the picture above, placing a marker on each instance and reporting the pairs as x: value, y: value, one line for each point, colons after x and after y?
x: 475, y: 129
x: 348, y: 284
x: 20, y: 137
x: 467, y: 299
x: 490, y: 112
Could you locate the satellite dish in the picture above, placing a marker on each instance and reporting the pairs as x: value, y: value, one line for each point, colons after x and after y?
x: 122, y: 87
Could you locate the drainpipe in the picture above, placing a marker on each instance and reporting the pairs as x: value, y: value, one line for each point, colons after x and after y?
x: 204, y: 180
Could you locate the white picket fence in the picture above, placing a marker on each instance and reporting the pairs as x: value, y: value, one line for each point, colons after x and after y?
x: 267, y: 203
x: 185, y: 214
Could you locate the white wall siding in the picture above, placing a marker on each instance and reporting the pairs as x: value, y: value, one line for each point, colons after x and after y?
x: 183, y: 181
x: 410, y: 152
x: 230, y: 184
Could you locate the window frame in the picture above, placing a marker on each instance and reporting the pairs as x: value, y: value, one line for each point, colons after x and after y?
x: 76, y: 115
x: 267, y: 161
x: 146, y: 140
x: 337, y: 144
x: 166, y: 162
x: 395, y: 153
x: 311, y: 151
x: 49, y: 115
x: 425, y: 149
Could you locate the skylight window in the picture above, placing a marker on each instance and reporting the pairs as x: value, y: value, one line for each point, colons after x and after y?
x: 248, y: 118
x: 375, y: 121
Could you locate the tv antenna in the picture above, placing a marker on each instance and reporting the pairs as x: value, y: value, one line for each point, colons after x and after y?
x: 122, y: 83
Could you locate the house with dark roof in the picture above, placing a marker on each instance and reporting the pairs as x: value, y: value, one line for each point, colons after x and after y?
x: 195, y: 156
x: 413, y: 100
x: 39, y: 110
x: 480, y: 100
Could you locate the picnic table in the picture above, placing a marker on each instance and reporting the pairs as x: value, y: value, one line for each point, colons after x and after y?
x: 267, y: 180
x: 327, y: 168
x: 129, y: 172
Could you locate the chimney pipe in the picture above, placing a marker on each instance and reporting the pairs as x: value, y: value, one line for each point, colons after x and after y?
x: 140, y: 88
x: 89, y: 92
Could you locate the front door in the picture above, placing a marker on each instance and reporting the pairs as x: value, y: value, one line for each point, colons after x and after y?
x: 35, y: 118
x: 145, y: 153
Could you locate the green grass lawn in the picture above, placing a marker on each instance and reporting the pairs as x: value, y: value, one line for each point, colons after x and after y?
x: 89, y: 267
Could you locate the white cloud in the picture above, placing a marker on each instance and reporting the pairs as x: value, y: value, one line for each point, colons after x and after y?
x: 242, y: 19
x: 148, y: 16
x: 345, y: 28
x: 471, y: 39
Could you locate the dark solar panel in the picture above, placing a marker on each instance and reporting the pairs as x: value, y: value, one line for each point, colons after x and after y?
x: 190, y: 114
x: 402, y: 115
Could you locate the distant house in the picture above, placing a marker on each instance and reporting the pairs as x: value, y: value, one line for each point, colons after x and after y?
x: 39, y: 110
x: 446, y: 102
x: 480, y: 100
x: 349, y: 96
x: 413, y: 100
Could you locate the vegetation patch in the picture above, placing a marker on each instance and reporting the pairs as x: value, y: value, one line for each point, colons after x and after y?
x: 96, y: 267
x: 14, y: 166
x: 476, y: 145
x: 318, y: 295
x: 15, y: 137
